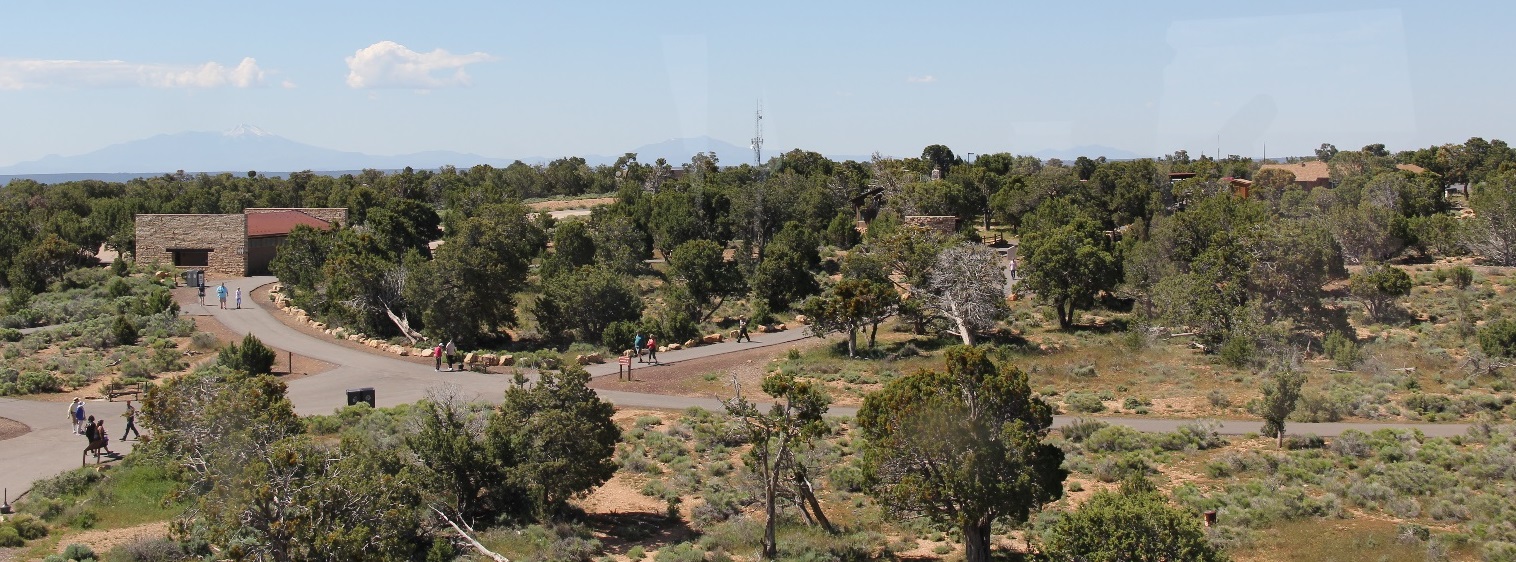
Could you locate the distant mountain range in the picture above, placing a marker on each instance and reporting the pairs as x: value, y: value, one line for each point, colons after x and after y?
x: 247, y: 148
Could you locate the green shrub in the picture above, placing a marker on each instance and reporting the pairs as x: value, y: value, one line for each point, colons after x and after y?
x: 1080, y: 429
x: 1120, y: 467
x: 10, y: 335
x: 1116, y: 439
x: 1084, y: 402
x: 152, y: 550
x: 682, y: 552
x: 252, y: 357
x: 1462, y: 277
x: 1429, y: 405
x: 9, y: 537
x: 203, y: 341
x: 1342, y: 349
x: 1307, y: 441
x: 1237, y: 351
x: 28, y: 527
x: 1218, y: 399
x: 1083, y: 371
x: 636, y: 553
x: 1498, y: 339
x: 78, y: 551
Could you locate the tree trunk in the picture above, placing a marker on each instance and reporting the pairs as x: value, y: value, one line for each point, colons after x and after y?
x: 852, y: 341
x: 963, y: 328
x: 976, y: 541
x: 803, y: 484
x: 1065, y: 318
x: 770, y: 543
x: 873, y: 331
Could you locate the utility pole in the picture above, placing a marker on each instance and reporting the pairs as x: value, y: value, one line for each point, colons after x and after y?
x: 758, y: 136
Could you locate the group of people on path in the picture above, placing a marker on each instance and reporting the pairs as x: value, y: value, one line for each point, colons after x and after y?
x: 649, y: 343
x: 94, y: 431
x: 221, y: 294
x: 451, y: 351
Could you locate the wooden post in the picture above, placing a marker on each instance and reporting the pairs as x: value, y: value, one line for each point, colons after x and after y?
x: 289, y: 362
x: 624, y: 361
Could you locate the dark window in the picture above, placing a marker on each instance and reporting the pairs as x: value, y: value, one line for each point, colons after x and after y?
x: 191, y: 258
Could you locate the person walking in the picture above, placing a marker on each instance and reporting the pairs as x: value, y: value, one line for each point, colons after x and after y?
x: 131, y: 422
x: 452, y: 355
x: 221, y: 295
x: 90, y: 433
x: 79, y: 416
x: 202, y: 294
x: 742, y: 330
x: 437, y: 353
x: 637, y: 346
x: 652, y: 349
x: 239, y: 298
x: 73, y: 413
x: 103, y: 436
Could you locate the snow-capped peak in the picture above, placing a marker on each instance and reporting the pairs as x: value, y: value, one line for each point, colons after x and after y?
x: 248, y: 131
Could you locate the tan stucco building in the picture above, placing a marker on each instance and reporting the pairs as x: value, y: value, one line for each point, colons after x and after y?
x: 240, y: 244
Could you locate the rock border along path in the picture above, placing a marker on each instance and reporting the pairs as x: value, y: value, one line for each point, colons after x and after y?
x: 51, y: 447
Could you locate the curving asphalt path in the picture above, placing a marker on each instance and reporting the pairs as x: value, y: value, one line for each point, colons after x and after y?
x: 51, y: 448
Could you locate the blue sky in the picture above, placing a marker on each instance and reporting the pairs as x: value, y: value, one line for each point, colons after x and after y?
x: 508, y: 79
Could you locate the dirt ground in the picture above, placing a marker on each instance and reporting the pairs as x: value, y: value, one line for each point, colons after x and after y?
x: 707, y: 377
x: 103, y: 540
x: 11, y: 428
x: 558, y: 205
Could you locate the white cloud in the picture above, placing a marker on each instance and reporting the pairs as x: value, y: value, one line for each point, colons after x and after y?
x: 928, y: 79
x: 388, y: 64
x: 17, y: 74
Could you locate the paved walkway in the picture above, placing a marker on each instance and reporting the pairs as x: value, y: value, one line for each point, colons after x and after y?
x: 50, y: 447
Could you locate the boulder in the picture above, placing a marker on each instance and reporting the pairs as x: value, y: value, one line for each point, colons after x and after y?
x: 354, y: 337
x: 507, y: 360
x: 470, y: 358
x: 780, y: 327
x: 595, y: 358
x: 428, y: 352
x: 691, y: 343
x: 398, y: 350
x: 712, y: 338
x: 664, y: 348
x: 582, y: 359
x: 801, y: 319
x: 762, y: 329
x: 488, y: 359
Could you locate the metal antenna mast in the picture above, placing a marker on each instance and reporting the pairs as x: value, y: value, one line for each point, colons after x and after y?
x: 758, y: 138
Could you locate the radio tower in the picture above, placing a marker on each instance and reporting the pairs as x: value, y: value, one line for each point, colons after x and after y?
x: 758, y: 138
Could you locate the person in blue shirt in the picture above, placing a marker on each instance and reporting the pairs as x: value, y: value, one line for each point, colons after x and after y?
x: 221, y: 294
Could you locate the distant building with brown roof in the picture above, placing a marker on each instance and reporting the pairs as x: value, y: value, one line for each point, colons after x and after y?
x: 1309, y: 174
x: 240, y: 244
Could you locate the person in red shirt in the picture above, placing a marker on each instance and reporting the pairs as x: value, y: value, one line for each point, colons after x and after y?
x: 652, y: 349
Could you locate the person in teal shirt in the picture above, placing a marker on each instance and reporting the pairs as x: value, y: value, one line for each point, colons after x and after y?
x: 221, y: 294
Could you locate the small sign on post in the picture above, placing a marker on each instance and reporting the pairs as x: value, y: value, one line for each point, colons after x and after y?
x: 624, y: 361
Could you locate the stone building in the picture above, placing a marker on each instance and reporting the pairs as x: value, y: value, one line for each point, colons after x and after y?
x: 240, y: 244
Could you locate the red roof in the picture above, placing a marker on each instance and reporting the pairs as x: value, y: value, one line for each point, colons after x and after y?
x: 280, y: 223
